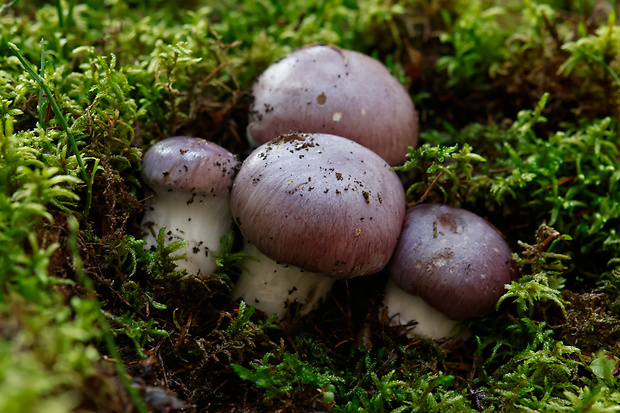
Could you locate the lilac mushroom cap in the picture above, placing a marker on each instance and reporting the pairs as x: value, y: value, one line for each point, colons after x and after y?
x: 325, y: 89
x: 191, y: 180
x: 190, y: 165
x: 322, y: 203
x: 452, y: 259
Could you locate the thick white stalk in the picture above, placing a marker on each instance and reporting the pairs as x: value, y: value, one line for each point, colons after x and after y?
x: 404, y: 308
x: 201, y: 220
x: 271, y: 286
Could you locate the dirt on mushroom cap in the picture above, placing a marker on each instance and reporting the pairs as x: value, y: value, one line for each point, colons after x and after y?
x: 189, y: 164
x: 320, y: 202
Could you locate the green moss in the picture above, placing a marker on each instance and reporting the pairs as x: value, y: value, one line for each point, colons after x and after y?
x: 48, y: 356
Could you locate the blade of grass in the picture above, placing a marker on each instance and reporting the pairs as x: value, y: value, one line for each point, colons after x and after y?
x: 42, y: 100
x: 89, y: 183
x: 61, y: 20
x: 55, y: 107
x: 599, y: 60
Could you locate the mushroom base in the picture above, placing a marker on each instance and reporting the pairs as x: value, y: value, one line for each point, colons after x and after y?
x: 404, y: 308
x: 271, y: 287
x: 200, y: 220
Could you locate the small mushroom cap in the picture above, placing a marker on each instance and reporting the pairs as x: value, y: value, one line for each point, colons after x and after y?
x: 320, y: 202
x: 452, y: 258
x: 324, y: 89
x: 188, y: 164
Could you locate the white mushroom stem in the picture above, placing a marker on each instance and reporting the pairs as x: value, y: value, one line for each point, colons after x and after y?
x: 200, y: 220
x: 404, y: 308
x: 271, y: 286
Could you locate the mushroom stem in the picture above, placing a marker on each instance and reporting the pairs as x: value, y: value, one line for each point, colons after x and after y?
x: 263, y: 283
x: 200, y: 220
x: 404, y: 308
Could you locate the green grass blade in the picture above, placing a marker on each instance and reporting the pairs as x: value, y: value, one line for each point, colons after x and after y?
x: 55, y: 108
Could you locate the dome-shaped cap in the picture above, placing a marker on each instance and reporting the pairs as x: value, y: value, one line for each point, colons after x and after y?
x: 324, y: 89
x: 320, y: 202
x: 452, y: 258
x: 188, y: 164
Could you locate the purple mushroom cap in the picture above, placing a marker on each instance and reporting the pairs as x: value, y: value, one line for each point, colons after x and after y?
x: 453, y: 259
x: 320, y: 202
x: 324, y: 89
x: 188, y: 164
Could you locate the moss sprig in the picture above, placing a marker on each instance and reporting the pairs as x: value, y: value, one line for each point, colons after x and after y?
x: 444, y: 170
x: 542, y: 273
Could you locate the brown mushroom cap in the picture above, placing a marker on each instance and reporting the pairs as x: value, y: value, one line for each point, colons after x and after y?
x: 320, y: 202
x: 324, y: 89
x: 452, y: 258
x: 188, y: 164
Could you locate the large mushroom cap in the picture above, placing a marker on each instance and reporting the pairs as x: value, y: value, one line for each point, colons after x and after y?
x: 320, y: 202
x: 188, y: 164
x: 323, y: 89
x: 452, y: 258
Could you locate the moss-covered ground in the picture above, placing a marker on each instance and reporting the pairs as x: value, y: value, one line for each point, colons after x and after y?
x: 522, y: 95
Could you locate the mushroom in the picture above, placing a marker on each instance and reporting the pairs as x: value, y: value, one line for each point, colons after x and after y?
x: 449, y: 265
x: 191, y: 180
x: 325, y: 89
x: 313, y: 208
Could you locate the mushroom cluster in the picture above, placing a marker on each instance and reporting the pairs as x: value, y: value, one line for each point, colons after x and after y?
x: 317, y: 200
